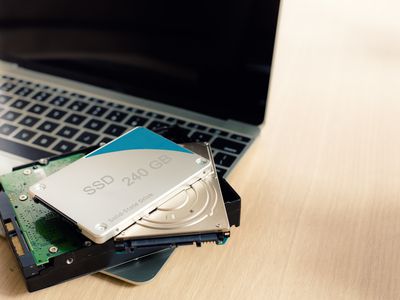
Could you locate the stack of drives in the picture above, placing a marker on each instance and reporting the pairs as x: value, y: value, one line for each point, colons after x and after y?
x: 103, y: 209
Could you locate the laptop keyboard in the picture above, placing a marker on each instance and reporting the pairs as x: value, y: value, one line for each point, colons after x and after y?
x: 38, y: 120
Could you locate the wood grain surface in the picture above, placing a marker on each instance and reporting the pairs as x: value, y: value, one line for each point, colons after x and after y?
x: 320, y: 187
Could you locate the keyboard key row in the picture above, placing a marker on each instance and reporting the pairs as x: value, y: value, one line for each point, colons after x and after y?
x: 95, y: 107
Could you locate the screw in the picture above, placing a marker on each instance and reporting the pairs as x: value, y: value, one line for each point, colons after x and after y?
x: 201, y: 161
x: 53, y: 249
x: 43, y: 161
x: 69, y: 261
x: 40, y: 187
x: 27, y: 172
x: 23, y: 197
x: 88, y: 243
x: 101, y: 227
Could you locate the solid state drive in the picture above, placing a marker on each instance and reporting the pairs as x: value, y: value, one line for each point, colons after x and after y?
x: 114, y: 186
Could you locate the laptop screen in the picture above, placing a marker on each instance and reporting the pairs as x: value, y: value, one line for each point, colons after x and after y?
x: 212, y: 57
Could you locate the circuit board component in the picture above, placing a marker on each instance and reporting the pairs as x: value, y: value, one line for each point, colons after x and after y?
x: 46, y: 233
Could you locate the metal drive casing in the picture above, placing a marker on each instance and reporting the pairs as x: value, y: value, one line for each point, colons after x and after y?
x: 198, y: 209
x: 114, y: 186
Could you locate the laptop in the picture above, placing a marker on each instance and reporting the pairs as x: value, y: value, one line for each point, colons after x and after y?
x: 73, y: 76
x: 78, y: 75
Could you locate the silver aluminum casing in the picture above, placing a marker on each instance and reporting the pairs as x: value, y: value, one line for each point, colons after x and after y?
x: 198, y: 209
x: 114, y: 186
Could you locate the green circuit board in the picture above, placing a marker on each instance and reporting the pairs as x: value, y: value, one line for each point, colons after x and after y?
x: 45, y: 232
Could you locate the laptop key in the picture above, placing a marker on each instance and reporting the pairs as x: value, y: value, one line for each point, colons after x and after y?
x: 155, y: 125
x: 41, y: 96
x: 198, y: 136
x: 24, y: 91
x: 10, y: 116
x: 20, y: 104
x: 59, y: 101
x: 115, y: 130
x: 29, y: 121
x: 78, y: 95
x: 217, y: 131
x: 25, y: 135
x: 116, y: 116
x: 48, y: 126
x: 64, y: 146
x: 228, y: 146
x: 67, y: 132
x: 171, y: 120
x: 99, y: 101
x: 75, y: 119
x: 240, y: 138
x: 24, y: 81
x: 7, y: 129
x: 155, y: 115
x: 56, y: 114
x: 95, y: 124
x: 4, y: 99
x: 136, y: 121
x: 8, y: 86
x: 224, y: 160
x: 78, y: 105
x: 196, y: 126
x: 38, y: 109
x: 87, y: 138
x: 44, y: 140
x: 97, y: 111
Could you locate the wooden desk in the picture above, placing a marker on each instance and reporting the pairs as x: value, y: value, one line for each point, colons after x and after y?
x: 320, y: 187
